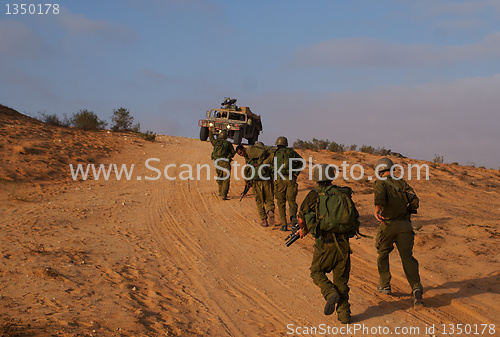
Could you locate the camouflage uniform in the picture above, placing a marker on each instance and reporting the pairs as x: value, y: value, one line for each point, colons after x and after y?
x: 285, y: 189
x: 396, y: 229
x: 330, y: 255
x: 223, y: 177
x: 262, y: 188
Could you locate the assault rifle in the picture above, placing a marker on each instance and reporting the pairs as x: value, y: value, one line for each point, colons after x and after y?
x: 293, y: 236
x: 245, y: 191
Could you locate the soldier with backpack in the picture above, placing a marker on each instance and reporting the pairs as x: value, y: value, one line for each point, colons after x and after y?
x: 260, y: 179
x: 395, y: 201
x: 286, y: 165
x: 222, y: 155
x: 330, y: 215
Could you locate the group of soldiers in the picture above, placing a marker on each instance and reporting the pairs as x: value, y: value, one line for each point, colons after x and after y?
x: 266, y: 186
x: 394, y: 202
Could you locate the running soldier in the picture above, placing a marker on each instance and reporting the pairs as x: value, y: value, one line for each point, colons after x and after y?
x: 329, y: 213
x: 286, y: 165
x: 259, y: 177
x: 395, y: 201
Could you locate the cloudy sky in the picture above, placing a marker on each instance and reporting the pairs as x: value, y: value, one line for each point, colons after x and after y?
x: 418, y: 77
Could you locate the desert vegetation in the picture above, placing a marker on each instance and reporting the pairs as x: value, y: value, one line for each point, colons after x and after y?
x: 122, y: 121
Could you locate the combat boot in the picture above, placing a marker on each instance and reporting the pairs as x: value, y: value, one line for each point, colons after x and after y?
x: 293, y: 219
x: 264, y: 223
x: 270, y: 217
x: 418, y: 303
x: 284, y: 228
x: 344, y: 318
x: 331, y: 303
x: 384, y: 290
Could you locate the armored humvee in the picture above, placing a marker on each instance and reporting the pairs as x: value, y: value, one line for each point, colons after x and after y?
x: 239, y: 122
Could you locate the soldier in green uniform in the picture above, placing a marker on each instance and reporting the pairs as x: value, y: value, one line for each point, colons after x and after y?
x: 222, y: 155
x: 332, y: 252
x: 260, y: 180
x: 395, y: 200
x: 283, y: 160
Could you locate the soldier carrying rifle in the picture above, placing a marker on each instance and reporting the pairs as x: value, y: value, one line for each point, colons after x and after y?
x: 329, y: 213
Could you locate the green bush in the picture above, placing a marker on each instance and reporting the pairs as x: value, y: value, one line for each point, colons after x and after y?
x: 148, y: 135
x: 438, y: 159
x: 87, y: 120
x: 53, y: 119
x: 122, y: 121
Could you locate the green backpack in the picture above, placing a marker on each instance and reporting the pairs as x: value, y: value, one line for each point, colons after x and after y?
x: 335, y: 212
x: 283, y: 158
x: 221, y: 149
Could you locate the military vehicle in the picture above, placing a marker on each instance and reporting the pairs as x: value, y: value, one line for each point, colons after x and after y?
x: 239, y: 122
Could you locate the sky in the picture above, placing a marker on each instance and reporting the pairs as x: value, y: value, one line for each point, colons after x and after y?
x: 421, y: 78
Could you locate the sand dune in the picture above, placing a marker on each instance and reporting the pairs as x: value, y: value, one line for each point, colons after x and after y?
x: 169, y: 258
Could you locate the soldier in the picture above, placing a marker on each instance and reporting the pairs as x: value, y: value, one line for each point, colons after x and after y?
x: 285, y: 187
x: 261, y: 181
x: 320, y: 215
x: 395, y: 200
x: 222, y: 155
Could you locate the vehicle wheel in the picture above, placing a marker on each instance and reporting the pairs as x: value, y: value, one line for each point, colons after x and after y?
x: 238, y: 136
x: 203, y: 133
x: 254, y: 138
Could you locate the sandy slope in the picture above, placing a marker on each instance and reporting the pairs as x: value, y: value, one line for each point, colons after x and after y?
x: 161, y: 257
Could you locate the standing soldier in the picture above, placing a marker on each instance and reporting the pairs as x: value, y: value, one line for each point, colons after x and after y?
x: 260, y: 180
x: 395, y: 201
x: 329, y: 213
x: 222, y: 155
x: 284, y: 159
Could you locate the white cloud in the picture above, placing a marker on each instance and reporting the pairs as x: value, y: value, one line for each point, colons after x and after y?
x: 367, y: 52
x: 19, y: 40
x: 456, y: 119
x: 77, y: 25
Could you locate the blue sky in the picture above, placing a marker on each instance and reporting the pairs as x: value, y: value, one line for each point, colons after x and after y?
x: 418, y: 77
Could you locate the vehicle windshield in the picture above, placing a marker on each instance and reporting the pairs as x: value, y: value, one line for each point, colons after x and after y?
x: 224, y: 114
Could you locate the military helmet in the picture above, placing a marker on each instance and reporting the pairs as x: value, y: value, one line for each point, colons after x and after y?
x: 384, y: 164
x: 259, y: 144
x: 281, y: 141
x: 323, y: 172
x: 222, y: 135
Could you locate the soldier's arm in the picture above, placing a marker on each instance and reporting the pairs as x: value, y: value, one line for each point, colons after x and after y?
x: 232, y: 151
x: 211, y: 136
x: 380, y: 199
x: 307, y: 206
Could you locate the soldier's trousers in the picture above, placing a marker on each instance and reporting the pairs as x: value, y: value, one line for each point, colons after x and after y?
x: 264, y: 196
x: 399, y: 232
x: 335, y: 258
x: 223, y: 177
x: 286, y: 191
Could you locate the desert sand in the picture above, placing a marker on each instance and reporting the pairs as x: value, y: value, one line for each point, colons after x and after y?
x: 169, y: 258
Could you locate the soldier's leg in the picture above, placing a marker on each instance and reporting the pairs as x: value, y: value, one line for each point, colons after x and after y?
x: 259, y: 199
x: 340, y: 280
x: 280, y: 194
x: 220, y: 182
x: 384, y: 244
x: 291, y: 196
x: 226, y: 177
x: 323, y: 261
x: 267, y: 188
x: 404, y: 244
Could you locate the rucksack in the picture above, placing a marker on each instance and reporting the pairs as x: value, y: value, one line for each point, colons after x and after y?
x: 407, y: 195
x: 283, y: 159
x: 221, y: 149
x: 335, y: 212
